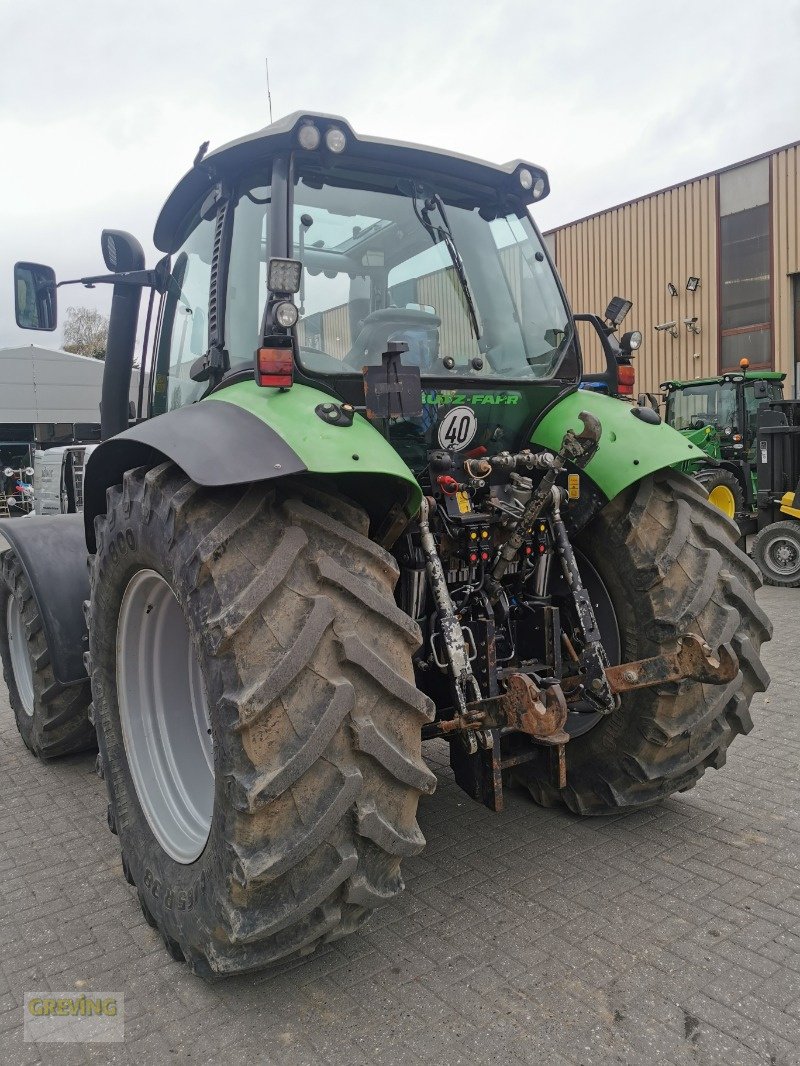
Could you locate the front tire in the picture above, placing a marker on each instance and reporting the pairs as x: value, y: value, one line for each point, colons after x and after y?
x: 52, y: 719
x: 724, y: 490
x: 306, y: 667
x: 670, y: 564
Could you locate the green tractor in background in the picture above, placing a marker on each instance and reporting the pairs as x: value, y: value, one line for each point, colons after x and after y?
x: 720, y: 416
x: 362, y: 505
x: 751, y: 468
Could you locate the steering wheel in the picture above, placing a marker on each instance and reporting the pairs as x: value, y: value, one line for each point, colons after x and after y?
x: 378, y: 327
x: 323, y: 362
x: 699, y: 421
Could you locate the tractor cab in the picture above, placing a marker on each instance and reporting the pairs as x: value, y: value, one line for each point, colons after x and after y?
x: 720, y: 414
x: 720, y: 417
x: 339, y: 250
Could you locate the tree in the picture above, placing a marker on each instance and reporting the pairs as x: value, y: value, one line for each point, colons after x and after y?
x: 85, y: 332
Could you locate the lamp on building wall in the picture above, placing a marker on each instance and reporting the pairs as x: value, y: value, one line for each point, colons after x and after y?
x: 692, y: 284
x: 671, y: 289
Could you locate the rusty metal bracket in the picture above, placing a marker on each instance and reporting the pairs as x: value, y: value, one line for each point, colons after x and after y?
x: 541, y: 713
x: 538, y: 713
x: 693, y: 661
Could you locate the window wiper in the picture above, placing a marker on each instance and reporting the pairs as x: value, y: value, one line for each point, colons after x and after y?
x: 443, y: 233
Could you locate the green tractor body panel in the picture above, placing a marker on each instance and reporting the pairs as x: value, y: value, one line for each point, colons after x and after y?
x: 323, y: 448
x: 629, y: 449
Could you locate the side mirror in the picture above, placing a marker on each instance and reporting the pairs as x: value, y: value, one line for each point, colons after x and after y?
x: 649, y: 399
x: 35, y: 300
x: 617, y: 308
x: 760, y: 390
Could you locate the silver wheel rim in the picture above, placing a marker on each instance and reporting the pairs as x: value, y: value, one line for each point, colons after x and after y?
x: 783, y: 555
x: 166, y: 727
x: 20, y: 659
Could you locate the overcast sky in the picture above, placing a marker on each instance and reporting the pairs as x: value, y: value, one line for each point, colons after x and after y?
x: 103, y: 104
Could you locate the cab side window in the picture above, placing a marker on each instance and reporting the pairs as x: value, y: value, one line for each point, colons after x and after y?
x: 184, y: 323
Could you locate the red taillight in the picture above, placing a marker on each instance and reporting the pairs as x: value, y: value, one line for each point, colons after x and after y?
x: 626, y: 379
x: 275, y: 368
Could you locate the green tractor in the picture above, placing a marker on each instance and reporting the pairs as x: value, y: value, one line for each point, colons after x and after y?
x: 720, y: 416
x: 362, y: 505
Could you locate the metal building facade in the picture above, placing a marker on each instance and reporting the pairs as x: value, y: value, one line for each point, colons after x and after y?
x: 648, y: 247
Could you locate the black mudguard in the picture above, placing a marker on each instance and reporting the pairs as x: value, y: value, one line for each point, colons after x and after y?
x: 52, y: 550
x: 215, y: 444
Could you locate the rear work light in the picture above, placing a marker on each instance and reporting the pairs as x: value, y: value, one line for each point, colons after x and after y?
x: 275, y: 368
x: 626, y: 379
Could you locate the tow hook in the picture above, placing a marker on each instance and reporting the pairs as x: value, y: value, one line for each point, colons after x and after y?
x: 693, y: 661
x: 539, y: 712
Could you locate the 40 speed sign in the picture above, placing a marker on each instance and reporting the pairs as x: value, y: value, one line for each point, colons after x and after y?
x: 457, y: 428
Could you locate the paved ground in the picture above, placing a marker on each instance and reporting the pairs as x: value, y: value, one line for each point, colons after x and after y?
x: 669, y: 936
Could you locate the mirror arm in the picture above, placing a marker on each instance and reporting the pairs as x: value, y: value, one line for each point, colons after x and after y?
x: 611, y: 348
x: 143, y: 279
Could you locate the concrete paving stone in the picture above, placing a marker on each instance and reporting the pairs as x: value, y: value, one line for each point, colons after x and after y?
x: 784, y: 915
x: 781, y: 989
x: 756, y: 963
x: 13, y: 1050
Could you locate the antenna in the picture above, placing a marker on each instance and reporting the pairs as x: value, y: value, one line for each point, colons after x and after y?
x: 269, y: 94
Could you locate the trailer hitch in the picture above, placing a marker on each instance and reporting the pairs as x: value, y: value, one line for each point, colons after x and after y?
x: 693, y: 661
x: 524, y: 707
x: 538, y: 711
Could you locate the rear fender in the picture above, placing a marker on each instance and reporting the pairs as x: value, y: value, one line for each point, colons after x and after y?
x: 629, y: 448
x: 245, y: 434
x: 52, y: 551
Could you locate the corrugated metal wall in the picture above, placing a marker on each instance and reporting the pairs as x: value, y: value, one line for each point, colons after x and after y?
x: 636, y: 249
x: 442, y: 291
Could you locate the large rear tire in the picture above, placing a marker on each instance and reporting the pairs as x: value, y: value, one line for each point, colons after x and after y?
x: 671, y: 566
x: 305, y: 663
x: 52, y: 719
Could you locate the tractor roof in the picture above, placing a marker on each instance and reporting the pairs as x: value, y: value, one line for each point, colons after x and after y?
x: 735, y: 375
x: 258, y: 147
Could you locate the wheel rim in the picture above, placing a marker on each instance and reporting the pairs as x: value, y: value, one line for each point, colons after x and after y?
x: 20, y: 659
x: 163, y: 709
x: 782, y: 555
x: 723, y: 499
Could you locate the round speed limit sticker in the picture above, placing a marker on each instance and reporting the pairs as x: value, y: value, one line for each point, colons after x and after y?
x: 457, y: 428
